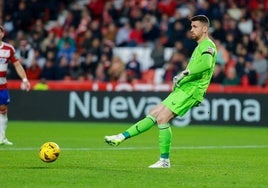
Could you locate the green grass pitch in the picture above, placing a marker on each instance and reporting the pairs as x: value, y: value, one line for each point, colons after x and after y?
x: 201, y: 156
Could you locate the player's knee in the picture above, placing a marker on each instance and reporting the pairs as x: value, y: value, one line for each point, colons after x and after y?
x: 154, y: 111
x: 162, y: 119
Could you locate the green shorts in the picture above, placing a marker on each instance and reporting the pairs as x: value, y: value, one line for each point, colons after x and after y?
x: 180, y: 102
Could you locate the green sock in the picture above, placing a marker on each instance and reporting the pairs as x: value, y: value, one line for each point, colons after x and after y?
x: 165, y: 136
x: 140, y: 127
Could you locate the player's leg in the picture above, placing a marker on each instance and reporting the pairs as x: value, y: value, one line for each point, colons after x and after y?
x: 177, y: 103
x: 3, y: 125
x: 164, y: 138
x: 4, y: 101
x: 136, y: 129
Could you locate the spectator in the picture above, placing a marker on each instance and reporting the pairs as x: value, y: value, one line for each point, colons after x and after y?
x: 63, y: 69
x: 33, y: 72
x: 66, y: 51
x: 96, y: 7
x: 133, y: 69
x: 109, y: 33
x: 240, y: 28
x: 51, y: 56
x: 231, y: 77
x: 87, y: 41
x: 152, y: 8
x: 102, y: 70
x: 177, y: 32
x: 122, y: 36
x: 135, y: 15
x: 250, y: 73
x: 116, y: 70
x: 66, y: 39
x: 167, y: 6
x: 40, y: 59
x: 109, y: 14
x: 49, y: 43
x: 245, y: 24
x: 151, y: 32
x: 22, y: 17
x: 95, y: 27
x: 189, y: 44
x: 95, y: 50
x: 158, y: 55
x: 260, y: 65
x: 49, y: 71
x: 26, y: 53
x: 41, y: 86
x: 178, y: 47
x: 107, y: 48
x: 218, y: 32
x: 230, y: 43
x: 100, y: 73
x: 57, y: 29
x: 249, y: 44
x: 89, y: 67
x: 218, y: 74
x: 75, y: 69
x: 38, y: 34
x: 85, y: 20
x: 69, y: 20
x: 173, y: 66
x: 164, y: 27
x: 136, y: 34
x: 9, y: 26
x: 240, y: 66
x: 222, y: 55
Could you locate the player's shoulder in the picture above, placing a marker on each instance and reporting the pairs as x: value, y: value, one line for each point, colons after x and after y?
x: 207, y: 42
x: 7, y: 46
x: 207, y: 45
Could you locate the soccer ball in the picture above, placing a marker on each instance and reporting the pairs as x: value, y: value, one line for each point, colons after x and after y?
x: 49, y: 152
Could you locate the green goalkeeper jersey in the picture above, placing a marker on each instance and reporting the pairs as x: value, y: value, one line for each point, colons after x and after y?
x: 201, y: 67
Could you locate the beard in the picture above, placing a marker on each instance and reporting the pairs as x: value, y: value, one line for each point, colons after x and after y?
x: 196, y: 37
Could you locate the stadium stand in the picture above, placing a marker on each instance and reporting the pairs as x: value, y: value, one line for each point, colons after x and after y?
x: 66, y: 40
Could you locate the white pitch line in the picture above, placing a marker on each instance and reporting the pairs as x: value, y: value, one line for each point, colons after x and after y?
x: 141, y: 148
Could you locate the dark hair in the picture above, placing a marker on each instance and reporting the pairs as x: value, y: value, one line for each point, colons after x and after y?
x: 202, y: 18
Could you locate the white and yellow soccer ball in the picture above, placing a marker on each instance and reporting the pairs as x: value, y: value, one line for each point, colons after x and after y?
x: 49, y: 152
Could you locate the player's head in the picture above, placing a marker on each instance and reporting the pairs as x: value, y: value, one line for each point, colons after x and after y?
x: 199, y: 27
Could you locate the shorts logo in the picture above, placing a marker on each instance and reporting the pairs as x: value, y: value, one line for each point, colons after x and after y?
x: 173, y: 103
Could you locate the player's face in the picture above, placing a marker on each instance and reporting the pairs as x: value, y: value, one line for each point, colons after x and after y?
x: 197, y: 30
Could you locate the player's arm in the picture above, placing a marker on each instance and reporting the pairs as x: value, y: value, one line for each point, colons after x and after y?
x: 21, y: 72
x: 205, y: 63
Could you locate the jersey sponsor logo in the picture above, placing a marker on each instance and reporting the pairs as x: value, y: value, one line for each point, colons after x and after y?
x: 4, y: 53
x: 3, y: 67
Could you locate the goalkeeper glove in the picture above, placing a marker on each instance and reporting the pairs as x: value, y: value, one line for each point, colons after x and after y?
x: 179, y: 77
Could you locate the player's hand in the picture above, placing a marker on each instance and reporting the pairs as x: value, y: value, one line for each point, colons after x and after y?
x: 25, y: 85
x: 179, y: 77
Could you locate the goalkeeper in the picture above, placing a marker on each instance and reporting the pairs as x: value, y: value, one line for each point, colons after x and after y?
x: 189, y: 88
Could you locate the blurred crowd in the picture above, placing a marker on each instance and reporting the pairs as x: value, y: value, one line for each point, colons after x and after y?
x: 74, y: 39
